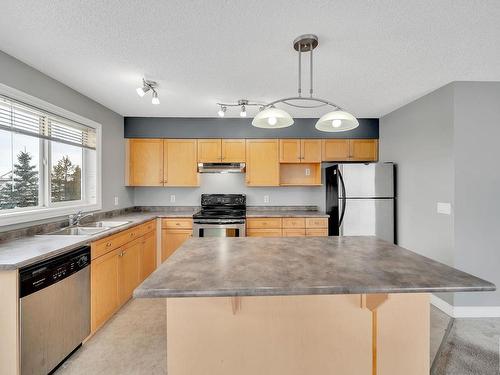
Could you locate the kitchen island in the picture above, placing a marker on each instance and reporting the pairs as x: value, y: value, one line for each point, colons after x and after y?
x: 324, y: 305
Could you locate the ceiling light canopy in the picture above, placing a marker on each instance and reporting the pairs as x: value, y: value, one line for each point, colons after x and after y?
x: 269, y: 117
x: 147, y: 86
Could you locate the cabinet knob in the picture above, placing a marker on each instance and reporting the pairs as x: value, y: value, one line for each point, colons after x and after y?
x: 108, y: 244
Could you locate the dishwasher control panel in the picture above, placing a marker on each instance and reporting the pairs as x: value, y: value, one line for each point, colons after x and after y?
x: 46, y: 273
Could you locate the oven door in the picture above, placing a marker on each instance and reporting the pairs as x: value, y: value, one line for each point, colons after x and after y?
x: 216, y: 228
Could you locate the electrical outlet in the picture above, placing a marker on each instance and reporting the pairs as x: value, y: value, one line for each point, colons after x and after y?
x: 172, y: 198
x: 266, y: 198
x: 308, y: 171
x: 116, y: 201
x: 444, y: 208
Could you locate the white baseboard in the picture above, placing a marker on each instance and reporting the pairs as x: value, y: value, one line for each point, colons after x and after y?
x: 465, y: 311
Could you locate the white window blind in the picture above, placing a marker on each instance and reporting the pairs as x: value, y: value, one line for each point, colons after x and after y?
x: 22, y: 118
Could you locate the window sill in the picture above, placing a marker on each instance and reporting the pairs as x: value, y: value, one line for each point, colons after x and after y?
x: 28, y: 216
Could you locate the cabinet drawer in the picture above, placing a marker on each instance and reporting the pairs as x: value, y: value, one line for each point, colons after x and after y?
x: 148, y: 227
x: 316, y: 222
x: 317, y: 232
x: 265, y: 222
x: 107, y: 244
x: 294, y: 222
x: 264, y: 233
x: 177, y: 223
x: 294, y: 232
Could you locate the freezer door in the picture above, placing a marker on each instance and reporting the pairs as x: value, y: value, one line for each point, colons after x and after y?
x: 369, y: 217
x: 368, y: 181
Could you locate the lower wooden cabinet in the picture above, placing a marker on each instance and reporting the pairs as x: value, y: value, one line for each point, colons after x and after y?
x: 148, y: 255
x: 173, y: 234
x: 104, y: 288
x: 118, y: 267
x: 287, y: 227
x: 128, y: 270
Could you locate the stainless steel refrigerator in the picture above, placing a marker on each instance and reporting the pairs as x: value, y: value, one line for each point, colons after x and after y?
x: 361, y: 200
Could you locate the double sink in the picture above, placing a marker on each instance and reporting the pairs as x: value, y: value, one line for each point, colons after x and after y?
x: 89, y: 229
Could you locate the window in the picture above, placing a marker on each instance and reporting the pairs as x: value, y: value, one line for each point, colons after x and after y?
x: 48, y: 163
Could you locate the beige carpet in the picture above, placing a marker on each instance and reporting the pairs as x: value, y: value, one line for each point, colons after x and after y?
x: 132, y: 342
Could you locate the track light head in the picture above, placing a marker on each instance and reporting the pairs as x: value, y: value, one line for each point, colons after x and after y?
x: 141, y: 91
x: 222, y: 111
x: 155, y: 99
x: 243, y: 112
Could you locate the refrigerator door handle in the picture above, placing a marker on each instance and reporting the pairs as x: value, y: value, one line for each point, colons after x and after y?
x: 344, y: 199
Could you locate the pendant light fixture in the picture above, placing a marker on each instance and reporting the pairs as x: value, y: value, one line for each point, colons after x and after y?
x: 271, y: 117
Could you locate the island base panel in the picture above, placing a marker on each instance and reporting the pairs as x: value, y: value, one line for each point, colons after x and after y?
x: 296, y: 335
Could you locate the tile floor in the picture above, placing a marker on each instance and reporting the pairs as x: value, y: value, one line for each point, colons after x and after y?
x: 133, y: 342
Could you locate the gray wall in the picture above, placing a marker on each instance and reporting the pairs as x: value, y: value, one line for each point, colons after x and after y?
x: 230, y: 183
x: 446, y: 147
x: 419, y: 138
x: 477, y: 186
x: 174, y: 127
x: 18, y: 75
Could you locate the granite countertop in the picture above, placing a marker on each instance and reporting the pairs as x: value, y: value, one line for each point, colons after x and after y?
x: 24, y: 251
x: 252, y: 266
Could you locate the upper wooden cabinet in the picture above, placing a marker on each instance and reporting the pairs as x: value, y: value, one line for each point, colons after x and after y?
x: 233, y: 151
x: 179, y: 162
x: 300, y: 151
x: 364, y: 149
x: 221, y: 150
x: 262, y: 156
x: 209, y: 150
x: 350, y: 149
x: 145, y: 162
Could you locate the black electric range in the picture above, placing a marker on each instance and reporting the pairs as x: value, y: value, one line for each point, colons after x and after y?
x: 221, y: 215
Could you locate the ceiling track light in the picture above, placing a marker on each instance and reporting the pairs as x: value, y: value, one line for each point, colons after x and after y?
x: 243, y: 104
x: 148, y: 85
x: 270, y: 117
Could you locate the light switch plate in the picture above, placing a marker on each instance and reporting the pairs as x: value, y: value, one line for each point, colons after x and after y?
x: 444, y: 208
x: 308, y: 171
x: 172, y: 198
x: 116, y: 201
x: 266, y: 198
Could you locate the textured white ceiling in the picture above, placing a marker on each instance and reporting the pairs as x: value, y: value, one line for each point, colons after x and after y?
x: 374, y: 56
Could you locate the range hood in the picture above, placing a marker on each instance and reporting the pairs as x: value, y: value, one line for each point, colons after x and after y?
x: 221, y: 167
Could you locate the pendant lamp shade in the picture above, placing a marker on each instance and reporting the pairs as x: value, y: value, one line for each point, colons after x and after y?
x: 272, y: 118
x: 337, y: 121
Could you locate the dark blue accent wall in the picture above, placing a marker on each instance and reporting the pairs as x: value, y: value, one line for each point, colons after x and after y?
x: 197, y: 127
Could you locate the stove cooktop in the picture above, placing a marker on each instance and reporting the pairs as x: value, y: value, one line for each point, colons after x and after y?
x: 220, y: 214
x: 222, y: 206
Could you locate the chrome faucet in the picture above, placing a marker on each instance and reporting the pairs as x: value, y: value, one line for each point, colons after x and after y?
x: 76, y: 218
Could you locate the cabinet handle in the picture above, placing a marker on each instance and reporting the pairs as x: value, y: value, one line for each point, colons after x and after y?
x: 132, y: 234
x: 108, y: 244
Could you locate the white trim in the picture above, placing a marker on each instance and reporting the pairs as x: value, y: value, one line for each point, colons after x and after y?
x: 465, y: 311
x: 41, y: 213
x: 442, y: 305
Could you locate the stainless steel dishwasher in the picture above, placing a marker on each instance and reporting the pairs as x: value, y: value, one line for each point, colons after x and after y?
x: 54, y: 310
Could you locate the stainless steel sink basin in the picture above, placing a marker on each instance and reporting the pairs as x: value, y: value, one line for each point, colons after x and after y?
x: 78, y: 231
x: 106, y: 224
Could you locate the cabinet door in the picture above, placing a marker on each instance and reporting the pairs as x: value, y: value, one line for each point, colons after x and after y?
x: 145, y: 162
x: 262, y: 162
x: 336, y: 149
x: 171, y: 239
x: 290, y: 151
x: 128, y: 270
x: 233, y: 151
x: 104, y: 288
x: 364, y: 149
x: 148, y: 255
x: 209, y: 150
x: 310, y: 150
x: 180, y: 162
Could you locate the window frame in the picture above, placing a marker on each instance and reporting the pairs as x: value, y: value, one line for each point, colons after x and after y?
x: 53, y: 209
